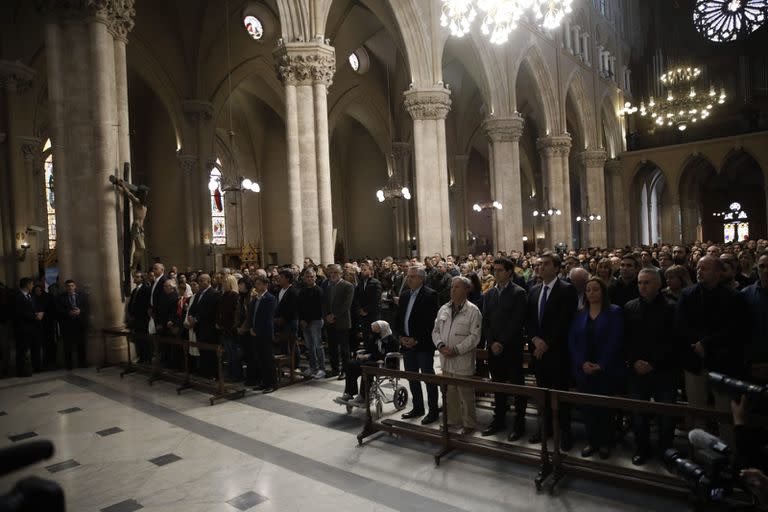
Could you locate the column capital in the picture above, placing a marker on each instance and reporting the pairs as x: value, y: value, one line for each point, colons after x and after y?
x: 554, y: 145
x: 15, y: 76
x: 186, y: 163
x: 592, y: 158
x: 613, y: 165
x: 31, y: 148
x: 428, y: 103
x: 305, y: 63
x: 401, y: 150
x: 117, y: 15
x: 508, y: 129
x: 198, y: 109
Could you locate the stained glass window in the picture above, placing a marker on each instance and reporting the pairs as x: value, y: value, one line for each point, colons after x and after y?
x: 743, y: 231
x: 727, y: 20
x: 729, y: 232
x: 254, y: 27
x: 354, y: 61
x: 50, y: 202
x: 218, y: 216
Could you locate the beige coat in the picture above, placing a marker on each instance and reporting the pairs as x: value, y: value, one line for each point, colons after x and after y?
x: 462, y: 334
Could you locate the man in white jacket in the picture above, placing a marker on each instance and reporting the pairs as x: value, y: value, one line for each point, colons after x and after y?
x: 456, y: 334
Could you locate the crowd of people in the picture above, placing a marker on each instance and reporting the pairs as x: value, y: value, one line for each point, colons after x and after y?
x: 647, y: 323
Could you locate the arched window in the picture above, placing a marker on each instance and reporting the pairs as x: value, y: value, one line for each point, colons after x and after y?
x: 50, y: 203
x: 218, y: 216
x: 254, y: 27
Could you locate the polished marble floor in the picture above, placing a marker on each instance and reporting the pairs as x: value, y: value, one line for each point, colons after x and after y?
x: 122, y: 445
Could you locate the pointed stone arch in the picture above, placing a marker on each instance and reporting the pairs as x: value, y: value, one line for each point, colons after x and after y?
x: 574, y: 88
x: 534, y: 61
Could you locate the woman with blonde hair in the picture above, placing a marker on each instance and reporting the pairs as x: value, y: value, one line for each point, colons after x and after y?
x: 226, y: 322
x: 678, y: 278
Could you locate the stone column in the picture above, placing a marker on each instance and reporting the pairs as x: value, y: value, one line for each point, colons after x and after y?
x: 612, y: 67
x: 31, y: 148
x: 199, y: 113
x: 617, y: 217
x: 85, y: 100
x: 428, y: 107
x: 504, y: 150
x: 16, y: 80
x: 594, y: 162
x: 567, y: 36
x: 585, y: 48
x: 576, y: 40
x: 188, y: 167
x: 459, y: 189
x: 401, y: 157
x: 600, y: 59
x: 554, y: 151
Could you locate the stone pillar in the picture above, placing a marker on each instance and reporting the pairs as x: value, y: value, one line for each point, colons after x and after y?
x: 576, y: 40
x: 31, y: 148
x: 594, y: 161
x: 612, y: 67
x: 16, y: 80
x: 307, y: 70
x: 599, y: 58
x: 188, y: 167
x: 199, y: 113
x: 567, y: 35
x: 554, y: 151
x: 585, y: 48
x: 428, y: 108
x: 617, y: 217
x: 461, y: 208
x: 401, y: 157
x: 504, y: 151
x: 85, y: 99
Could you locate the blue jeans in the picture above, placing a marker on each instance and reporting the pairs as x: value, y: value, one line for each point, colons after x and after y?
x: 415, y: 361
x: 313, y: 339
x: 234, y: 359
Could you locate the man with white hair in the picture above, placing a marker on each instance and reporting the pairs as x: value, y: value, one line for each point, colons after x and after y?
x: 456, y: 334
x: 578, y: 278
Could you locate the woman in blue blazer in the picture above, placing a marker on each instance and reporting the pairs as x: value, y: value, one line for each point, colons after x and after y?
x: 595, y: 344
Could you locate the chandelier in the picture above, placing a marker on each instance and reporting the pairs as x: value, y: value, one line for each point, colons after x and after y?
x: 591, y: 217
x: 547, y: 213
x: 500, y: 17
x: 684, y: 103
x: 727, y: 20
x: 488, y: 205
x: 392, y: 191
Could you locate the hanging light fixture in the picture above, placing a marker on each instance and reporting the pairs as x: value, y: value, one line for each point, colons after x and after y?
x: 487, y: 205
x: 501, y: 17
x: 728, y: 20
x: 685, y: 104
x: 394, y: 188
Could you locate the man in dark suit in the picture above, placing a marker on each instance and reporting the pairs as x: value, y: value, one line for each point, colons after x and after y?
x: 503, y: 317
x: 286, y: 314
x: 158, y: 278
x: 551, y: 307
x: 27, y: 328
x: 416, y: 313
x: 73, y: 313
x: 258, y: 328
x: 368, y: 296
x: 337, y: 303
x: 138, y: 317
x: 202, y: 319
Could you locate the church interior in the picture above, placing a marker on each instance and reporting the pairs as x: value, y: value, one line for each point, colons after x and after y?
x: 220, y: 134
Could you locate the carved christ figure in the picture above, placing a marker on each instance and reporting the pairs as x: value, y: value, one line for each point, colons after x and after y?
x: 138, y: 198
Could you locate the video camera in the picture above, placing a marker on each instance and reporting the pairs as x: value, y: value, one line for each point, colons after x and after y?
x: 756, y: 394
x: 708, y: 473
x: 31, y: 494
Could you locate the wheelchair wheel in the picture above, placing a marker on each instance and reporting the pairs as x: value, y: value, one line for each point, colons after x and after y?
x: 401, y: 398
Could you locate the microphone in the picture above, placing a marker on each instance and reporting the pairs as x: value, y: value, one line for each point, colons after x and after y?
x: 706, y: 441
x: 17, y: 457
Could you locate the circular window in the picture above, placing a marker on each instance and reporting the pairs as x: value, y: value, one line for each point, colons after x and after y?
x: 354, y: 61
x: 254, y: 27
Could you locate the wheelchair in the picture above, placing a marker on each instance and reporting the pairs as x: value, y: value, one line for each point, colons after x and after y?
x: 383, y: 390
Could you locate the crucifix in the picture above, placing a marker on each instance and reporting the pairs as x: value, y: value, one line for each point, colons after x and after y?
x: 137, y: 195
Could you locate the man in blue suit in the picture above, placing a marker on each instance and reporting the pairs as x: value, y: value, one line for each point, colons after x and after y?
x: 259, y: 327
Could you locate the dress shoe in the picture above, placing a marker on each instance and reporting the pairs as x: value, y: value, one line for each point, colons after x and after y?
x: 566, y: 443
x: 467, y: 431
x: 267, y: 391
x: 639, y: 458
x: 515, y: 435
x: 535, y: 438
x: 588, y: 450
x: 492, y: 429
x: 413, y: 413
x: 604, y: 452
x: 258, y: 387
x: 341, y: 376
x: 430, y: 418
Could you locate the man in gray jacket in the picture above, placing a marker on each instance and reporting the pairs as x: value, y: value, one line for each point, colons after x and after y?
x: 337, y: 303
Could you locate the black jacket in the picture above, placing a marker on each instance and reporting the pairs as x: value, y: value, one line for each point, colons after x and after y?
x: 441, y: 283
x: 204, y: 310
x: 555, y: 325
x: 25, y: 323
x: 64, y: 306
x: 288, y: 308
x: 368, y: 297
x: 503, y: 319
x: 138, y: 305
x: 716, y: 318
x: 649, y: 333
x: 621, y: 292
x: 421, y: 322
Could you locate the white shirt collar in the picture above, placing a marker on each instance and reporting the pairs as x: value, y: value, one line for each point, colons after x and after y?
x: 551, y: 284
